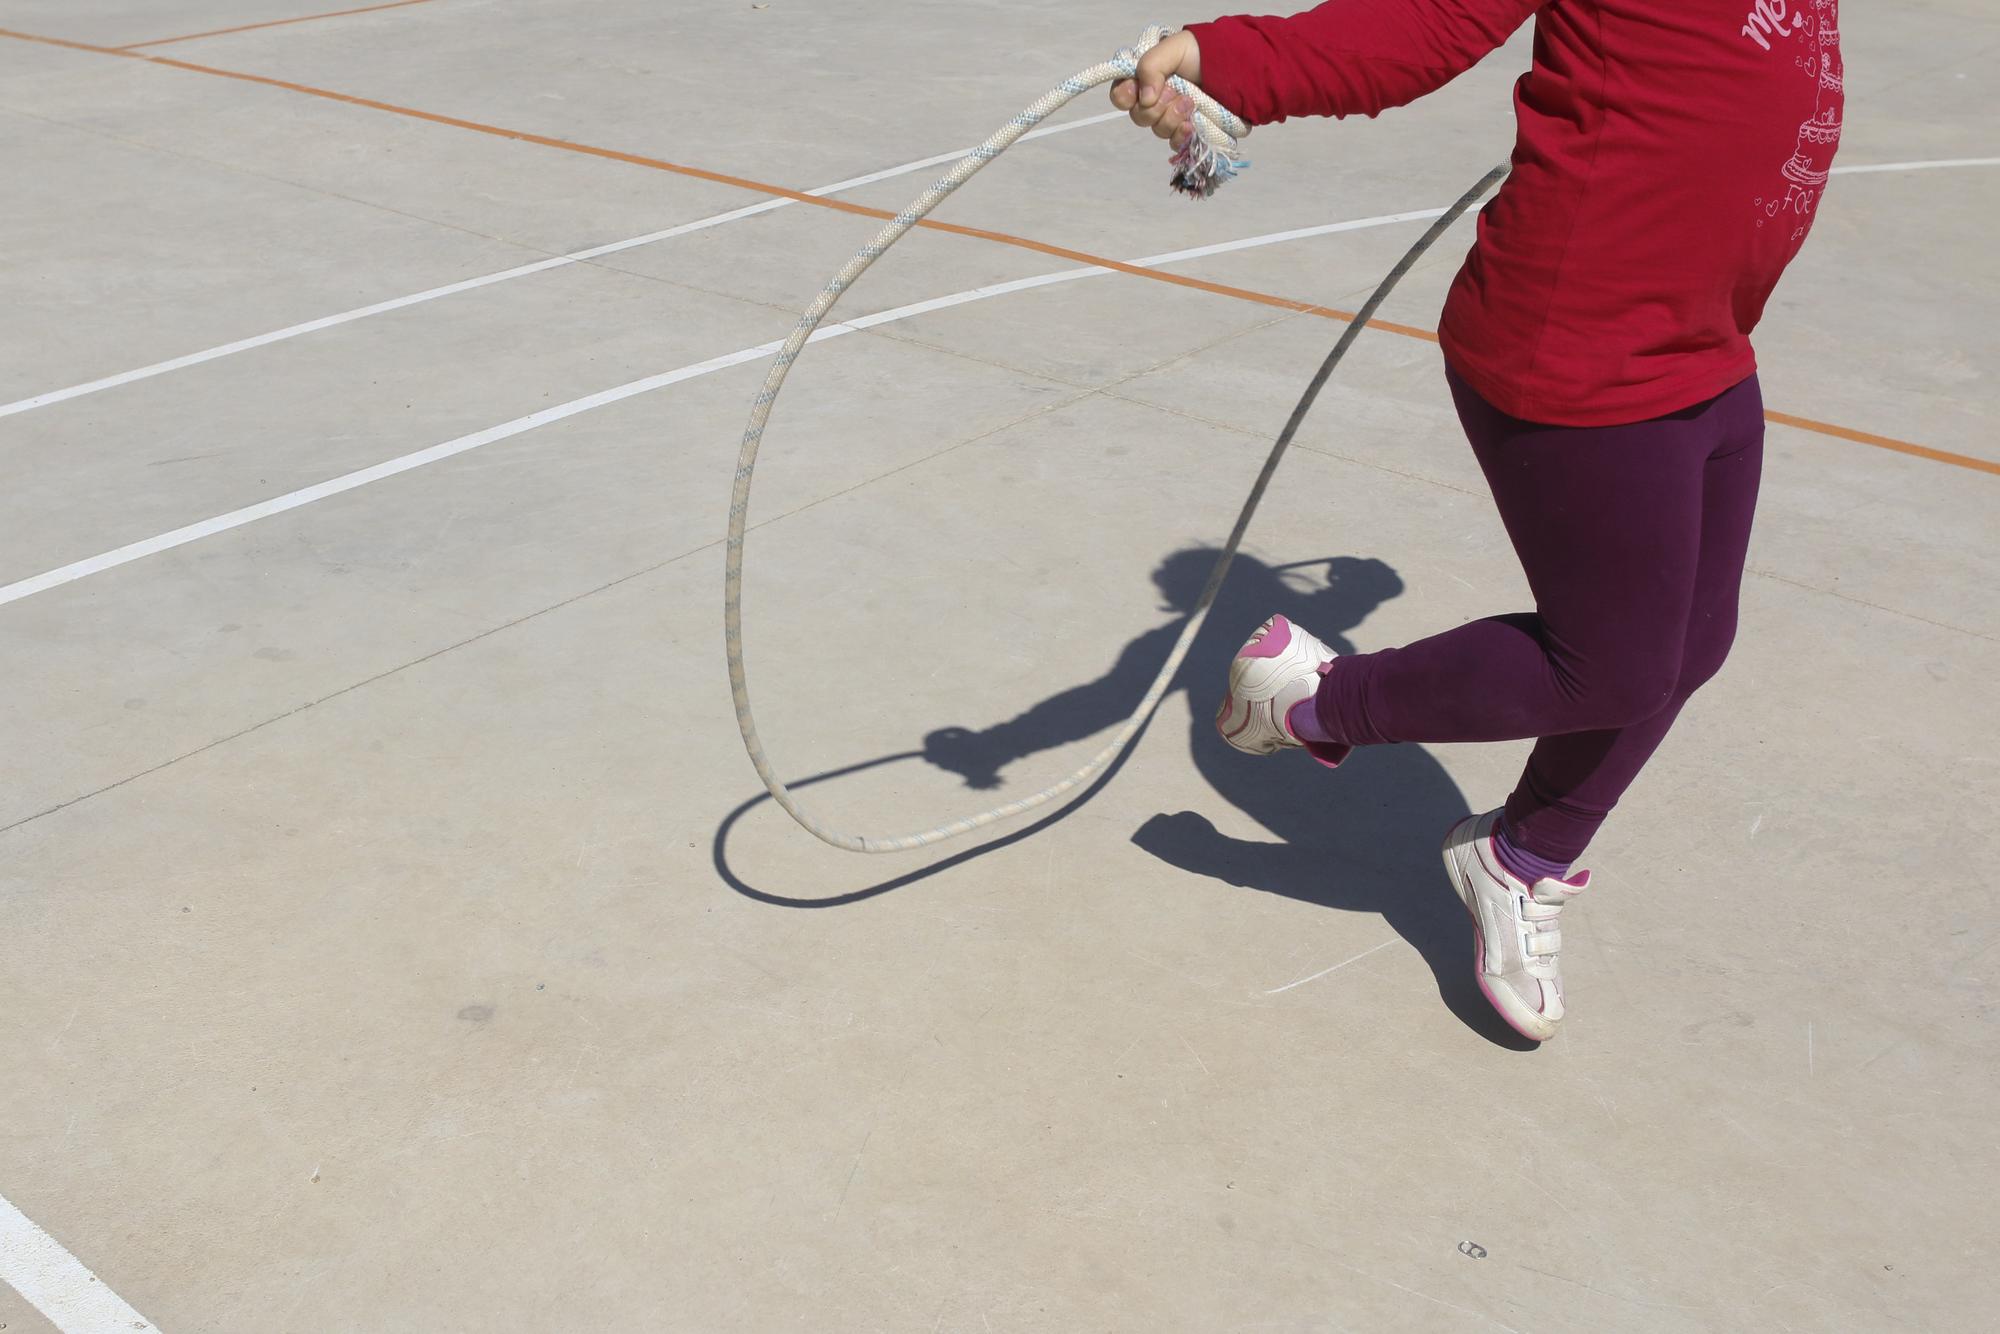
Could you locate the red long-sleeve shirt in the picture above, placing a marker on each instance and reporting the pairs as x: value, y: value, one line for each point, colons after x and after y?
x: 1669, y: 157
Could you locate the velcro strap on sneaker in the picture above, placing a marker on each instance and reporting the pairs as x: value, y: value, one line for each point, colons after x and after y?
x: 1544, y: 942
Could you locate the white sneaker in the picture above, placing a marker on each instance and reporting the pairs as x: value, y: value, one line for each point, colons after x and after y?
x: 1516, y: 939
x: 1280, y: 666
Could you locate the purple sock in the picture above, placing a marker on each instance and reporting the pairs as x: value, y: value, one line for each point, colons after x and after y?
x: 1302, y: 721
x: 1522, y: 864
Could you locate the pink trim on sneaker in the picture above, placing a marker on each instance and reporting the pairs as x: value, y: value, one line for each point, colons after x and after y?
x: 1485, y: 987
x: 1270, y: 644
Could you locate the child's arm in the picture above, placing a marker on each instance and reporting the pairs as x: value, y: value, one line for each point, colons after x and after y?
x: 978, y: 757
x: 1344, y: 58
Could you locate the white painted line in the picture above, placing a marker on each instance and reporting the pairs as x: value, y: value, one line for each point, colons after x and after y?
x: 56, y: 1283
x: 222, y: 523
x: 1932, y: 164
x: 504, y: 275
x: 575, y: 257
x: 292, y: 500
x: 1336, y: 968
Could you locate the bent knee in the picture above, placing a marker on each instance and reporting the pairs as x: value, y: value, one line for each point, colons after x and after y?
x: 1622, y: 700
x: 1707, y: 649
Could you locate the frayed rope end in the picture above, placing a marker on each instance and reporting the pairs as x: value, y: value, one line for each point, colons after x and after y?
x: 1199, y: 170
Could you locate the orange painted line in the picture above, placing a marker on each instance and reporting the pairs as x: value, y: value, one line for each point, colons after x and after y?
x: 723, y: 178
x: 956, y: 229
x: 1885, y: 442
x: 272, y: 23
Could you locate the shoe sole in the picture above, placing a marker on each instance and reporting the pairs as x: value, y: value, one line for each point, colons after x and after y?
x: 1518, y: 1017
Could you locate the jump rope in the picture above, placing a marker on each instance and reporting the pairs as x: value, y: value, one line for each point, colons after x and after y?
x: 1206, y: 163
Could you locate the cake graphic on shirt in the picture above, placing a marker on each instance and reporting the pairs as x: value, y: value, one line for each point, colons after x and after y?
x: 1805, y: 172
x: 1819, y: 136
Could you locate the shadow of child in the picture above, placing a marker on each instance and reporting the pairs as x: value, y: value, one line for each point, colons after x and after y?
x: 1363, y: 839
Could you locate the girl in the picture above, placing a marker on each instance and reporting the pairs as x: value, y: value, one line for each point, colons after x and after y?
x: 1667, y: 164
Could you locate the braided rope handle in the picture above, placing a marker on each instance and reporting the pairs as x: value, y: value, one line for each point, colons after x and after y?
x: 1215, y: 127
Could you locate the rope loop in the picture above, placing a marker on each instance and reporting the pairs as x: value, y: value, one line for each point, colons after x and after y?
x: 1207, y: 161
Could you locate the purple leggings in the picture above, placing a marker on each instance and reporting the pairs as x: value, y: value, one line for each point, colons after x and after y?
x: 1633, y: 539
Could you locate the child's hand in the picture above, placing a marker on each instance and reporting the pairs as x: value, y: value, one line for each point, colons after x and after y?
x: 1149, y: 99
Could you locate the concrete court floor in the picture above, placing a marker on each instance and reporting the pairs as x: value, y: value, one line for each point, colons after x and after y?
x: 389, y: 938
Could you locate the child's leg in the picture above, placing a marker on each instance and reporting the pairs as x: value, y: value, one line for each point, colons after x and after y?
x: 1608, y: 524
x: 1572, y: 781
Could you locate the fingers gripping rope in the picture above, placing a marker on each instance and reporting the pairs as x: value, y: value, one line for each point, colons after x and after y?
x: 1208, y: 160
x: 1199, y: 172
